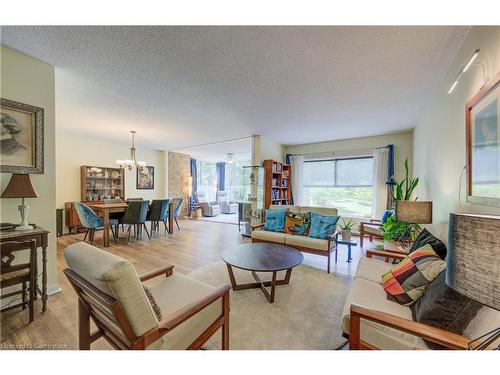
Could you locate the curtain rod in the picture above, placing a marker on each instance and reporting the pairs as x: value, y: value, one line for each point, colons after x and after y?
x: 333, y: 152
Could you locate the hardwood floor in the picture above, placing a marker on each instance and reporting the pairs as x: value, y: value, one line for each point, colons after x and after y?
x: 196, y: 244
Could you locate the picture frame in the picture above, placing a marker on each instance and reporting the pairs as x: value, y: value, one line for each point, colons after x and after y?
x: 482, y: 122
x: 22, y: 141
x: 145, y: 178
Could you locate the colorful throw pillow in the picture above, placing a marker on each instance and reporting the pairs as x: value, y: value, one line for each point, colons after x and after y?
x: 426, y: 238
x: 297, y: 224
x: 322, y: 226
x: 275, y: 220
x: 406, y: 282
x: 387, y: 214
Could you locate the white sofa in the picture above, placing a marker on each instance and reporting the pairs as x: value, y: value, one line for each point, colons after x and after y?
x: 367, y: 291
x: 303, y: 243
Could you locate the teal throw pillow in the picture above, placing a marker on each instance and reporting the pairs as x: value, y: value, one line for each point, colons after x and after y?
x: 387, y: 214
x: 275, y: 220
x: 322, y: 226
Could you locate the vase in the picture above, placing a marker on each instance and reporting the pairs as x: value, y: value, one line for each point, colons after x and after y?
x: 346, y: 235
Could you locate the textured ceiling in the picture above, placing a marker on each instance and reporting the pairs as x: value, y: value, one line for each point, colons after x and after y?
x: 184, y: 86
x: 215, y: 152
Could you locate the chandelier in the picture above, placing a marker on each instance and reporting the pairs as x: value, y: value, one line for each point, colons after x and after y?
x: 130, y: 163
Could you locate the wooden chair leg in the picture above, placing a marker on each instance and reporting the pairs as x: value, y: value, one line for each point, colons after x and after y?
x: 129, y: 228
x: 177, y: 223
x: 87, y: 232
x: 83, y: 327
x: 166, y: 227
x: 32, y: 290
x: 370, y: 238
x: 24, y: 295
x: 92, y: 233
x: 114, y: 234
x: 328, y: 263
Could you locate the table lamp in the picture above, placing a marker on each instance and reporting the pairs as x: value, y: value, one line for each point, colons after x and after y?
x: 20, y: 186
x: 473, y: 267
x: 413, y: 213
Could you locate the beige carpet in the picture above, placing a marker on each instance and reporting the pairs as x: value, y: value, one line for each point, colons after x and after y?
x: 305, y: 314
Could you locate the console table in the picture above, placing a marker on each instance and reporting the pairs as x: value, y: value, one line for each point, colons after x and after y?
x: 40, y: 235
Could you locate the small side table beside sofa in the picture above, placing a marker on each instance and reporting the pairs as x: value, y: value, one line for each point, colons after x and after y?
x: 40, y: 236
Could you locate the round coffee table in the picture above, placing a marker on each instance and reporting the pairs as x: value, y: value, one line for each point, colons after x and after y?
x: 262, y: 257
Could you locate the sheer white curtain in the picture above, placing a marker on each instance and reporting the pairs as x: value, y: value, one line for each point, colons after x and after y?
x: 380, y: 159
x: 297, y: 163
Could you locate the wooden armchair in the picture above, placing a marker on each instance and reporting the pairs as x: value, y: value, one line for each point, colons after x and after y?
x: 429, y: 333
x: 110, y: 292
x: 371, y: 229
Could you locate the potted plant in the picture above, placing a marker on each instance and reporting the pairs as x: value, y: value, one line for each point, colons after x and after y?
x: 346, y: 227
x: 395, y: 231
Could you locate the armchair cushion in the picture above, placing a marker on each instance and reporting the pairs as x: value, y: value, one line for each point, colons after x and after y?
x: 152, y: 301
x: 275, y: 220
x: 116, y: 277
x: 407, y: 281
x: 308, y: 242
x: 174, y: 293
x: 371, y: 295
x: 268, y: 236
x: 322, y: 226
x: 442, y: 307
x: 371, y: 269
x: 372, y: 229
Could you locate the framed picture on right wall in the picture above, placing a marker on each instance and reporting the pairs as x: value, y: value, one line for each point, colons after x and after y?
x: 483, y: 145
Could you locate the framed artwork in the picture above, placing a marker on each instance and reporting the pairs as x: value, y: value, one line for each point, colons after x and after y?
x: 21, y: 147
x: 146, y: 178
x: 483, y: 145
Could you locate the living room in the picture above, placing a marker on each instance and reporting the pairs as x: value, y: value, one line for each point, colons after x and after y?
x: 193, y: 187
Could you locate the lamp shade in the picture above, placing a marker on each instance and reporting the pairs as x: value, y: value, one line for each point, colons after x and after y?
x: 414, y: 212
x: 19, y: 186
x: 474, y: 257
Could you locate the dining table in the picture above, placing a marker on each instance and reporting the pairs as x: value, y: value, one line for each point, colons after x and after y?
x: 106, y: 208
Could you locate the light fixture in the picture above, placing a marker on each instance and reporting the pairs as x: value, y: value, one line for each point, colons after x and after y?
x: 230, y: 158
x: 130, y: 163
x: 463, y: 70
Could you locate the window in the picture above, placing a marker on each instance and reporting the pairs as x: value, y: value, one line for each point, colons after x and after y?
x: 237, y: 181
x: 207, y: 179
x: 345, y: 184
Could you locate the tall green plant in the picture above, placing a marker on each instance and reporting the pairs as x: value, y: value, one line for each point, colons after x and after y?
x: 404, y: 189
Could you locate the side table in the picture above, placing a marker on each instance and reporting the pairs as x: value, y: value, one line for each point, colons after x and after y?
x: 40, y: 235
x: 348, y: 244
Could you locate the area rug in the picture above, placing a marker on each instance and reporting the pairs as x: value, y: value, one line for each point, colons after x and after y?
x: 222, y: 218
x: 306, y: 313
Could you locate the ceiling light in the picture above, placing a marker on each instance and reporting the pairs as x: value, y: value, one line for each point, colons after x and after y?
x: 464, y: 69
x: 130, y: 163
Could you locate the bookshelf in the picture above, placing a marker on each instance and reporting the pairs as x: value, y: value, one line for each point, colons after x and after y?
x: 277, y: 184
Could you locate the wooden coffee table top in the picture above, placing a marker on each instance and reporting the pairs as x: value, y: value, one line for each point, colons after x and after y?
x: 262, y: 257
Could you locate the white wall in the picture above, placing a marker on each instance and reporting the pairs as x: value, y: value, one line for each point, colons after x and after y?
x: 439, y: 136
x: 403, y: 142
x: 74, y: 151
x: 30, y: 81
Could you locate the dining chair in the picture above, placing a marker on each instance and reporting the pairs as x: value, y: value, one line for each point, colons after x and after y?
x: 177, y: 209
x: 23, y: 273
x: 92, y: 222
x: 158, y: 211
x: 172, y: 312
x: 136, y: 216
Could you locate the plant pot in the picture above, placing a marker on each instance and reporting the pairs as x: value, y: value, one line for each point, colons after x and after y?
x: 391, y: 245
x: 346, y: 235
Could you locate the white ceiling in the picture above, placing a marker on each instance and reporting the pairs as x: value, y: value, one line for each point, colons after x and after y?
x: 216, y: 152
x: 189, y: 85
